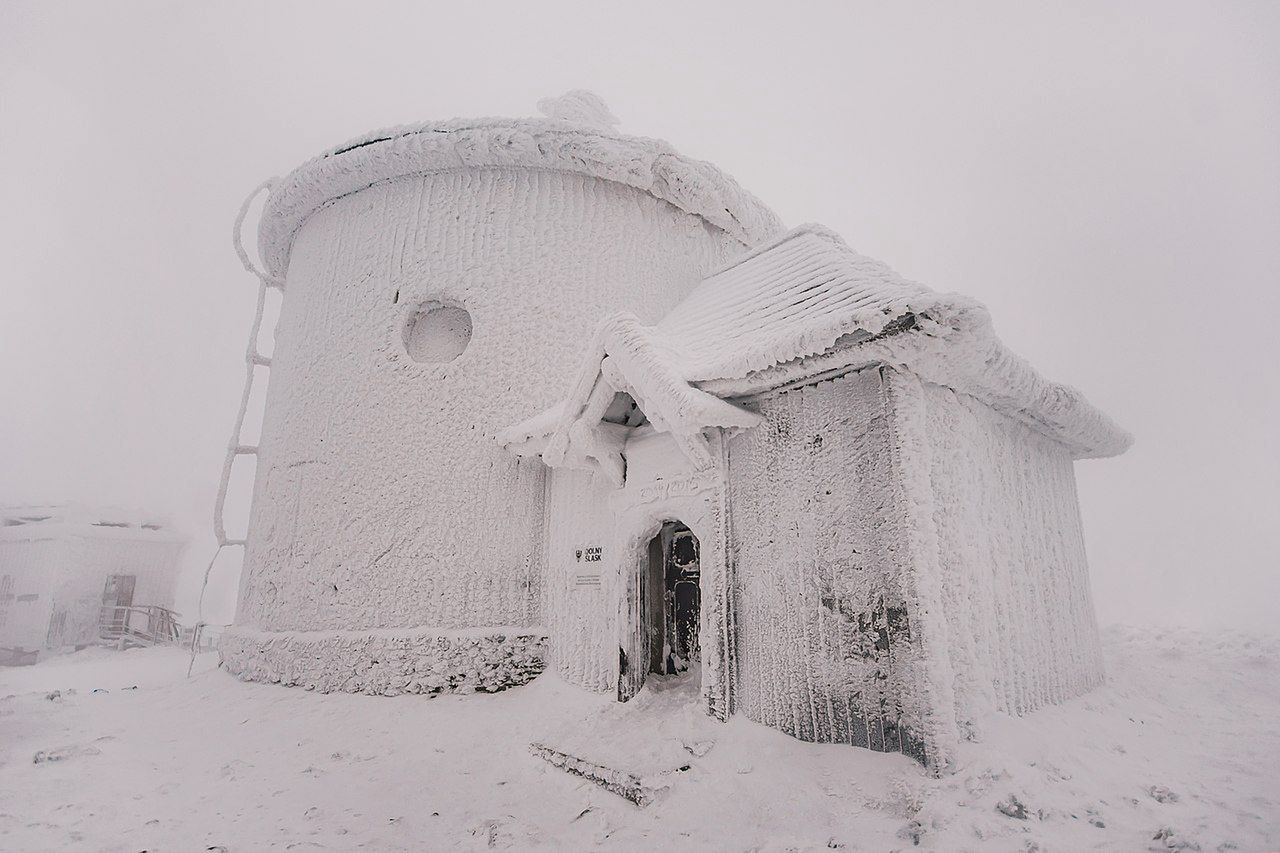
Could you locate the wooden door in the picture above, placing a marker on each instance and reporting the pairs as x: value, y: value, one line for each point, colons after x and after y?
x: 119, y: 591
x: 682, y: 579
x: 634, y: 649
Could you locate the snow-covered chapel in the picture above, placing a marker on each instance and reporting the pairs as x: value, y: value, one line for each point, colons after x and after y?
x: 546, y: 395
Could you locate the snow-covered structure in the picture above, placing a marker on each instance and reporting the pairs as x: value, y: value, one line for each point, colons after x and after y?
x: 547, y: 394
x: 61, y: 565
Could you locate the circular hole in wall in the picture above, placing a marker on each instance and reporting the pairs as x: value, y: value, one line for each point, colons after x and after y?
x: 437, y: 332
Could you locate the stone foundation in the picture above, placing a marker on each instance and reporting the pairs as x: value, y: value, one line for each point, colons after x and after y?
x: 387, y: 662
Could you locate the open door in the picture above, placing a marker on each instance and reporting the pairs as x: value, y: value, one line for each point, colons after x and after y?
x: 682, y: 598
x: 661, y: 615
x: 635, y: 651
x: 118, y: 591
x: 117, y: 594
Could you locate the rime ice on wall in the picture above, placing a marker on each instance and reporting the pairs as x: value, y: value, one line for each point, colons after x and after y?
x: 579, y: 606
x: 388, y: 664
x: 862, y: 621
x: 381, y: 499
x: 1015, y: 585
x: 827, y: 646
x: 28, y: 572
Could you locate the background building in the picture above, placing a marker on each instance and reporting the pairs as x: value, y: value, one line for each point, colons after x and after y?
x: 61, y: 565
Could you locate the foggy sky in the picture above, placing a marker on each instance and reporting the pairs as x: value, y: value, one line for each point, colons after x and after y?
x: 1106, y: 180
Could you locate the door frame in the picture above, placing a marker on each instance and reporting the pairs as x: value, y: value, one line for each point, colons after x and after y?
x: 698, y: 501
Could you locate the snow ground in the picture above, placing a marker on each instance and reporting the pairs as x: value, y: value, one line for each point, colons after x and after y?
x: 1179, y: 750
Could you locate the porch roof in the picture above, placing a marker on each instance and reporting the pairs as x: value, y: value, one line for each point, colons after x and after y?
x: 799, y: 307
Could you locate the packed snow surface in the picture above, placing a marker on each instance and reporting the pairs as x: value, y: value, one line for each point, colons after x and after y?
x: 1178, y: 750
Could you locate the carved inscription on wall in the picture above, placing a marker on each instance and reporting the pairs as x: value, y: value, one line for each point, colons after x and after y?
x: 662, y: 490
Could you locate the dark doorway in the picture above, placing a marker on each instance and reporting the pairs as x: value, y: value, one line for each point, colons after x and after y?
x: 118, y: 591
x: 663, y: 611
x: 674, y: 612
x: 117, y: 597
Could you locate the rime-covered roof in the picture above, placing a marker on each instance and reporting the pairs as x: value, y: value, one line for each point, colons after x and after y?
x: 791, y: 298
x: 51, y: 521
x: 798, y: 307
x: 570, y: 138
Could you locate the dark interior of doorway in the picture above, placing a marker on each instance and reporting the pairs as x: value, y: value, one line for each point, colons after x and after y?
x: 673, y: 616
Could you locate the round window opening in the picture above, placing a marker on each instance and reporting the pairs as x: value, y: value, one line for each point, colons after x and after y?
x: 437, y: 332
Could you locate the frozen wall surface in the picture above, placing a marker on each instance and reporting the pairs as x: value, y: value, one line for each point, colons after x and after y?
x: 828, y: 645
x: 1014, y: 581
x: 28, y: 571
x: 381, y: 500
x: 581, y: 589
x: 387, y: 663
x: 908, y: 559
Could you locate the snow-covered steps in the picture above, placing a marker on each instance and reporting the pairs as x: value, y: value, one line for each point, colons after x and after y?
x: 639, y: 789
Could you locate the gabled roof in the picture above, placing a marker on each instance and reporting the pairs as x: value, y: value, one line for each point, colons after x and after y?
x: 796, y: 308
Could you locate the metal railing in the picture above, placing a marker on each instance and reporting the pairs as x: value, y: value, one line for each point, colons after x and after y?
x: 10, y: 656
x: 147, y: 625
x: 201, y: 637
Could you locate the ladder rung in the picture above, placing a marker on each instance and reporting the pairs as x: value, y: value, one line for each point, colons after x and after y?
x: 230, y: 542
x: 259, y: 359
x: 245, y: 449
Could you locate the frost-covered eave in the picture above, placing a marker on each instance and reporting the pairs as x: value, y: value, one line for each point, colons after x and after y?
x: 954, y: 346
x: 650, y: 165
x: 624, y: 357
x: 529, y: 437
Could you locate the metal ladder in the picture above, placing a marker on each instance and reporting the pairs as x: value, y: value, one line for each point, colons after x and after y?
x: 252, y: 359
x: 236, y: 447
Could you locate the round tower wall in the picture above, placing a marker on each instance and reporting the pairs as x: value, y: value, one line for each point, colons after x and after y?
x: 381, y: 499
